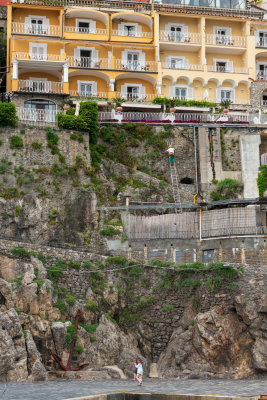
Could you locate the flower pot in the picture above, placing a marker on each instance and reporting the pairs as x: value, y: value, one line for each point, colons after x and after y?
x: 172, y: 110
x: 66, y: 107
x: 226, y: 111
x: 119, y: 109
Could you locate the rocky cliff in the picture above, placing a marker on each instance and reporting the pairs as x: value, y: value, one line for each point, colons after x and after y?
x: 197, y: 321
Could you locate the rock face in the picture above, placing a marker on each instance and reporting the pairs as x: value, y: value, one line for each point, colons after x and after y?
x: 127, y: 360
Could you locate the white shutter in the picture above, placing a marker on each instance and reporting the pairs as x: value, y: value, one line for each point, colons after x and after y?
x: 172, y: 92
x: 218, y: 95
x: 76, y: 53
x: 142, y: 92
x: 124, y: 57
x: 124, y: 91
x: 184, y: 32
x: 92, y: 26
x: 94, y: 55
x: 229, y: 32
x: 142, y: 59
x: 121, y: 29
x: 139, y: 31
x: 186, y: 63
x: 257, y: 37
x: 229, y: 66
x: 189, y: 93
x: 94, y: 88
x: 233, y: 96
x: 27, y: 25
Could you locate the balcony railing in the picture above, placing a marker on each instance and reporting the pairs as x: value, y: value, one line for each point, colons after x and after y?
x: 35, y: 29
x: 223, y: 40
x: 232, y: 4
x: 142, y: 66
x: 95, y: 95
x: 136, y: 97
x: 176, y: 65
x: 179, y: 37
x: 87, y: 62
x: 227, y: 69
x: 37, y: 117
x: 261, y: 42
x: 38, y: 57
x: 147, y: 35
x: 32, y: 86
x: 90, y: 31
x: 261, y: 75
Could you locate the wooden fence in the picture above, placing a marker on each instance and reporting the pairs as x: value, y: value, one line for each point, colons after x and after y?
x: 197, y: 225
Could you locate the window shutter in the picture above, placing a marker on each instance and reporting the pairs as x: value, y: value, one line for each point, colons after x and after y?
x: 92, y: 26
x: 121, y: 29
x: 189, y: 93
x: 185, y: 63
x: 95, y: 55
x: 76, y: 53
x: 172, y: 92
x: 143, y: 92
x: 218, y: 95
x: 124, y: 91
x: 184, y: 32
x: 142, y: 59
x: 229, y: 32
x: 233, y: 96
x: 139, y: 31
x: 257, y: 37
x: 27, y: 25
x: 94, y: 88
x: 229, y: 66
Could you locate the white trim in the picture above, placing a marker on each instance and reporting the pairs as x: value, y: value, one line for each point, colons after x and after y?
x: 228, y: 67
x: 228, y: 30
x: 40, y: 46
x: 183, y: 58
x: 189, y: 91
x: 91, y: 22
x: 219, y: 93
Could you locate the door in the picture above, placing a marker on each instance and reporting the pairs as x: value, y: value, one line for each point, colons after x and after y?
x: 220, y: 66
x: 207, y: 256
x: 176, y: 34
x: 262, y: 72
x: 226, y: 95
x: 129, y: 30
x: 132, y: 93
x: 177, y: 63
x: 85, y: 58
x: 85, y: 90
x: 132, y: 61
x: 83, y: 27
x: 37, y: 26
x: 221, y: 37
x: 263, y: 39
x: 38, y: 53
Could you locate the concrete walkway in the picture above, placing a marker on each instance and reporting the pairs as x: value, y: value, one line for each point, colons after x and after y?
x: 61, y: 390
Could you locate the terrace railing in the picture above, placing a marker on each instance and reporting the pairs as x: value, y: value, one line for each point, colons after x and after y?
x: 177, y: 65
x: 179, y: 37
x: 95, y: 95
x: 227, y: 69
x: 145, y: 35
x: 141, y: 66
x: 35, y: 29
x: 224, y: 40
x: 76, y: 29
x: 38, y: 57
x: 88, y: 62
x: 32, y: 86
x: 37, y: 117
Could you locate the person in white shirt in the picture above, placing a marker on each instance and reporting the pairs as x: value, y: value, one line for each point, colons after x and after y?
x: 139, y: 368
x: 170, y: 151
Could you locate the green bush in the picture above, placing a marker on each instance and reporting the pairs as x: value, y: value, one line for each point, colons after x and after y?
x: 61, y: 306
x: 20, y: 252
x: 91, y: 305
x: 177, y: 102
x: 262, y: 180
x: 70, y: 335
x: 70, y: 299
x: 89, y: 113
x: 54, y: 272
x: 37, y: 145
x: 93, y: 339
x: 78, y: 349
x: 8, y: 115
x: 71, y: 122
x: 227, y: 189
x: 74, y: 265
x: 110, y: 231
x: 16, y: 142
x: 2, y: 169
x: 168, y: 307
x: 90, y: 328
x: 51, y: 138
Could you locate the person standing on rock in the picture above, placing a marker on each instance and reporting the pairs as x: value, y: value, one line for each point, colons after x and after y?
x: 139, y: 368
x: 170, y: 151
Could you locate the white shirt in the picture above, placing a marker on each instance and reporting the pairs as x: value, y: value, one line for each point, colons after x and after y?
x: 139, y: 369
x: 170, y: 150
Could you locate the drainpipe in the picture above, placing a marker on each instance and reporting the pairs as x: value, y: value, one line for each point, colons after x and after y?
x: 196, y: 172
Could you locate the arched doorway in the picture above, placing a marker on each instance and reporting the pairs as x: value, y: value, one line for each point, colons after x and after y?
x: 40, y: 110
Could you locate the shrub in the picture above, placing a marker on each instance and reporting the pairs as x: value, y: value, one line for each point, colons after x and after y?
x: 70, y: 299
x: 89, y: 114
x: 74, y: 265
x: 91, y: 305
x: 61, y: 306
x: 20, y: 252
x: 227, y: 189
x: 90, y: 328
x: 2, y: 169
x: 110, y: 231
x: 70, y: 334
x: 168, y: 307
x: 93, y: 339
x: 51, y: 137
x: 71, y: 122
x: 16, y: 142
x: 262, y: 180
x: 78, y: 349
x: 37, y: 145
x: 54, y: 272
x: 8, y: 115
x: 17, y: 211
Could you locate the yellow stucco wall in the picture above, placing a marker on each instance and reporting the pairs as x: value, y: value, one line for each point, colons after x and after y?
x: 19, y: 14
x: 191, y: 23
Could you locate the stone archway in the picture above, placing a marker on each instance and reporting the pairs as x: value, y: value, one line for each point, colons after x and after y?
x: 256, y: 93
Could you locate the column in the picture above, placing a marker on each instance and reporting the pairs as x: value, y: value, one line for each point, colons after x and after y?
x: 250, y: 162
x: 66, y: 79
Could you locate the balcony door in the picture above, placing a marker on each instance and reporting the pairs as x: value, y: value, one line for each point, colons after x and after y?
x: 85, y: 90
x: 38, y: 51
x: 263, y: 39
x: 262, y: 71
x: 133, y: 61
x: 176, y: 34
x: 37, y: 26
x: 86, y: 58
x: 132, y: 93
x: 181, y: 93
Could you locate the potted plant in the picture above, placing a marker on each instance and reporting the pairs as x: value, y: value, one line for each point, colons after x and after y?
x: 225, y: 105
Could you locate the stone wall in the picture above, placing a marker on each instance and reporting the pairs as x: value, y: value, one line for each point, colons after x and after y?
x: 19, y: 98
x: 256, y: 90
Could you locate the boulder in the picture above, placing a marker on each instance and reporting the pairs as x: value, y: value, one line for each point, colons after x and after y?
x: 127, y: 363
x: 59, y: 331
x: 42, y: 273
x: 37, y: 371
x: 259, y: 354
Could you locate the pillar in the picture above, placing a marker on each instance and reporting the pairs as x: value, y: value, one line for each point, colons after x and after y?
x: 250, y: 162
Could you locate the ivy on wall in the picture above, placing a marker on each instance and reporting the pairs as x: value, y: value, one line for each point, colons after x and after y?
x: 262, y: 180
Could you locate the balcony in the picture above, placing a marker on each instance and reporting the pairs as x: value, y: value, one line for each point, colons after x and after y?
x: 176, y: 65
x: 135, y: 34
x: 88, y: 31
x: 136, y: 66
x: 136, y: 97
x: 231, y: 4
x: 32, y: 86
x: 37, y: 117
x: 223, y: 40
x: 179, y: 37
x: 35, y: 29
x: 226, y: 69
x: 261, y: 75
x: 88, y: 63
x: 95, y: 95
x: 38, y: 57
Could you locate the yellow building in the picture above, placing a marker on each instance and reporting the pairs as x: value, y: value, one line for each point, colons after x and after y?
x: 134, y: 50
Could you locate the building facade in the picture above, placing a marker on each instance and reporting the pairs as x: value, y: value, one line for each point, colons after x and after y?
x: 194, y: 50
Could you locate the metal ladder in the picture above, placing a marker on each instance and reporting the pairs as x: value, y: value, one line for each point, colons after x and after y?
x: 175, y: 185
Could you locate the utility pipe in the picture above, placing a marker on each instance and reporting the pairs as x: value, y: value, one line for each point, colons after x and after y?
x: 196, y: 171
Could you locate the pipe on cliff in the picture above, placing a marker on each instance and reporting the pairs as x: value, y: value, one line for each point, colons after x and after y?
x: 196, y: 171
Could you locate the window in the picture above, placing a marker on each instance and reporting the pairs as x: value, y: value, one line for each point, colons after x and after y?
x: 263, y: 39
x: 226, y: 94
x: 85, y: 90
x: 176, y: 32
x: 177, y: 63
x: 40, y: 110
x: 129, y: 30
x: 262, y: 72
x: 85, y: 26
x: 181, y: 93
x: 38, y: 51
x: 133, y: 61
x: 37, y: 26
x: 86, y: 58
x: 221, y: 66
x: 132, y: 92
